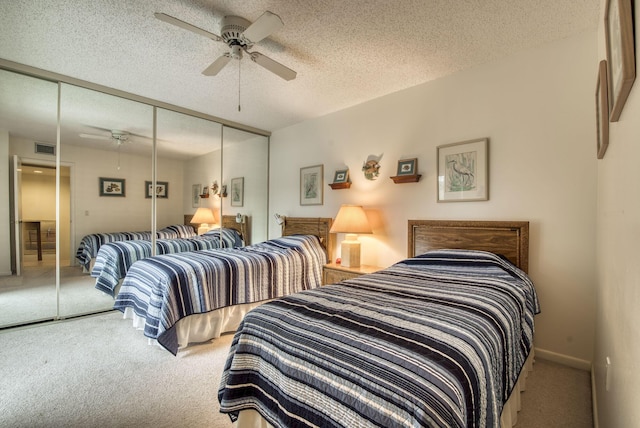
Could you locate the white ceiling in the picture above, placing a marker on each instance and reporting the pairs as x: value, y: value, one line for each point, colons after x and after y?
x: 345, y: 51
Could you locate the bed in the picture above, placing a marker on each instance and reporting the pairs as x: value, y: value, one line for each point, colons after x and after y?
x: 115, y: 258
x: 90, y: 244
x: 442, y: 338
x: 184, y: 298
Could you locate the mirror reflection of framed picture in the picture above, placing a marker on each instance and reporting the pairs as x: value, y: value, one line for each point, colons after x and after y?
x: 195, y: 195
x: 112, y: 186
x: 162, y: 189
x: 311, y: 188
x: 341, y: 176
x: 237, y: 192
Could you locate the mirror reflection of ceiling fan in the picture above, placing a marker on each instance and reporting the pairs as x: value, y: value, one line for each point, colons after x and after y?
x: 239, y: 35
x: 116, y: 136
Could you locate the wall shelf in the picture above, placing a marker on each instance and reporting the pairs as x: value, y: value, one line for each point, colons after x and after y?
x: 337, y: 186
x: 400, y: 179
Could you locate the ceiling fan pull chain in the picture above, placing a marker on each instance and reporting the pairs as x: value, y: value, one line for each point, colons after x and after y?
x: 239, y: 65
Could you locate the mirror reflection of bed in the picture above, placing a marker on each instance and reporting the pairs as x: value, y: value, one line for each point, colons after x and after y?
x: 184, y: 298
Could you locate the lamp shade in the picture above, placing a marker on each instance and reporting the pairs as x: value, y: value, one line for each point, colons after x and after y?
x: 351, y: 219
x: 203, y: 215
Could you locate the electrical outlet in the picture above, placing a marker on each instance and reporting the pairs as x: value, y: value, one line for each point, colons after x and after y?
x: 607, y: 374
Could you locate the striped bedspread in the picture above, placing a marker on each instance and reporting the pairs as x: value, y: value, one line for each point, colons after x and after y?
x: 433, y: 341
x: 164, y: 289
x: 90, y: 244
x: 114, y: 259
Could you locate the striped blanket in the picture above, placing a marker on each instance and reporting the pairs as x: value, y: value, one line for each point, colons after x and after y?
x: 115, y: 258
x: 90, y: 244
x: 433, y: 341
x: 164, y: 289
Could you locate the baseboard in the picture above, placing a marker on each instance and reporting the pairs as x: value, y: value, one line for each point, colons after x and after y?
x: 594, y: 401
x: 566, y: 360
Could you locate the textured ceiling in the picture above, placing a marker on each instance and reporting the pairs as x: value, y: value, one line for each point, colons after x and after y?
x: 345, y: 52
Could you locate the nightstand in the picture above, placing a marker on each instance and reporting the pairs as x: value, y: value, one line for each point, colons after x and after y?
x: 332, y: 273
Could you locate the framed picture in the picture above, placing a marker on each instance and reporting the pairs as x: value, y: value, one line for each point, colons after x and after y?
x: 237, y: 192
x: 463, y: 171
x: 602, y: 110
x: 407, y: 167
x: 162, y: 189
x: 618, y: 24
x: 112, y: 186
x: 341, y: 176
x: 311, y: 185
x: 195, y: 195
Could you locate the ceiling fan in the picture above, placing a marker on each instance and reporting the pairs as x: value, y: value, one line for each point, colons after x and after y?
x: 239, y: 35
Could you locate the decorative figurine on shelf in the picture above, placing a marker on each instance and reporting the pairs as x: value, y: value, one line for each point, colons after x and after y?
x: 371, y: 167
x: 205, y: 192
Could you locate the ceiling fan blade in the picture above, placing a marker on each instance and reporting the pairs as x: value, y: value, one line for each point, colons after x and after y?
x: 263, y: 27
x: 185, y: 25
x: 95, y: 137
x: 273, y: 66
x: 217, y: 65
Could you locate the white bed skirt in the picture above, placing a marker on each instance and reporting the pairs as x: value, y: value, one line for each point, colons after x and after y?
x: 252, y: 419
x: 201, y: 327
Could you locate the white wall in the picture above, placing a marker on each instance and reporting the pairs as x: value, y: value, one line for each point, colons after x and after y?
x: 537, y: 108
x: 618, y: 255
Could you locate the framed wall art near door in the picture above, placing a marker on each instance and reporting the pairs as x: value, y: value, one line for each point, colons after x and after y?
x: 112, y: 186
x: 311, y: 185
x: 618, y: 24
x: 237, y: 192
x: 463, y: 171
x: 602, y: 110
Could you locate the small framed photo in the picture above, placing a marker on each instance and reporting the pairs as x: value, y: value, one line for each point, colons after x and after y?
x: 195, y: 195
x: 311, y: 185
x: 463, y: 171
x: 237, y: 192
x: 341, y: 176
x: 407, y: 166
x: 162, y: 189
x: 618, y: 24
x: 112, y: 186
x: 602, y: 111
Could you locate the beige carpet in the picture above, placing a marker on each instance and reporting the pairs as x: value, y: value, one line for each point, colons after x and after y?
x: 98, y: 371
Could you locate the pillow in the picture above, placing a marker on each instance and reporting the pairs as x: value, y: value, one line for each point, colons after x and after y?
x: 180, y: 230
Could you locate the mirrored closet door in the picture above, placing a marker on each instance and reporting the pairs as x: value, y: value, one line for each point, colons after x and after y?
x: 28, y: 127
x: 83, y: 161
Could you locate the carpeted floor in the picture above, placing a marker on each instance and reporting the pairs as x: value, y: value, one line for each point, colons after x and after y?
x: 98, y: 371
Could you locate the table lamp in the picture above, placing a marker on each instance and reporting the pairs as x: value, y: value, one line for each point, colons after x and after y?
x: 351, y: 219
x: 205, y: 217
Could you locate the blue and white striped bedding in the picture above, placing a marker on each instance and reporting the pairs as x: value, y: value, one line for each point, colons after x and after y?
x: 115, y: 258
x: 164, y: 289
x: 433, y: 341
x: 90, y: 244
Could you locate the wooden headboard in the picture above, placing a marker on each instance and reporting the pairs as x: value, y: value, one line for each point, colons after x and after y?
x: 229, y: 222
x: 508, y: 238
x: 312, y: 226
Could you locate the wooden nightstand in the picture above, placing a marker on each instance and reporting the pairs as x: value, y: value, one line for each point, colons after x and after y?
x: 332, y: 273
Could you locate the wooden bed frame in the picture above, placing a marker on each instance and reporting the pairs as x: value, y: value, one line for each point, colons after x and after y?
x: 318, y: 226
x: 229, y: 222
x: 508, y: 238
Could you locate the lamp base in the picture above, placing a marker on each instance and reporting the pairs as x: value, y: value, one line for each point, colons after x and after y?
x: 350, y: 249
x: 204, y: 228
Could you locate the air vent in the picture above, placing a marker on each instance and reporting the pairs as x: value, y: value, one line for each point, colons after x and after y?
x: 46, y: 149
